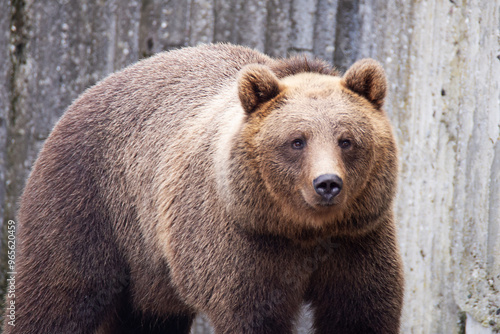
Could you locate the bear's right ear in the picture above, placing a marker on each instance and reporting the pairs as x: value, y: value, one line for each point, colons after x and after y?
x: 256, y: 85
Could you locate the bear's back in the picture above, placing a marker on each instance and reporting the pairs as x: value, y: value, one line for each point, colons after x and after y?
x: 114, y: 142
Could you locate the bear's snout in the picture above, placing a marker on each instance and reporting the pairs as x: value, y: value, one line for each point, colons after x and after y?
x: 328, y: 186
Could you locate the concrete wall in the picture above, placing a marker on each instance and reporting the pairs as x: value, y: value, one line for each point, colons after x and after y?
x: 442, y: 58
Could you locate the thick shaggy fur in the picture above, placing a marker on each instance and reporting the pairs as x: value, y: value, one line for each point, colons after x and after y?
x: 173, y: 187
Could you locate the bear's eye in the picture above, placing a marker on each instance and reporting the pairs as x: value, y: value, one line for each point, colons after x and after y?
x: 345, y: 143
x: 298, y: 144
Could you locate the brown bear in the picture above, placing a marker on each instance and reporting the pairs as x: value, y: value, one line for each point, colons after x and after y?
x: 214, y: 180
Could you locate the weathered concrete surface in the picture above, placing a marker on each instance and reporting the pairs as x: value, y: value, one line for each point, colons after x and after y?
x: 475, y: 327
x: 442, y: 58
x: 303, y: 18
x: 476, y: 214
x: 279, y: 25
x: 5, y: 97
x: 442, y: 62
x: 5, y: 72
x: 325, y: 29
x: 66, y: 46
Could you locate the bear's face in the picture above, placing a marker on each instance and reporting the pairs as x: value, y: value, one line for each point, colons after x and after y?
x: 316, y: 147
x: 316, y: 139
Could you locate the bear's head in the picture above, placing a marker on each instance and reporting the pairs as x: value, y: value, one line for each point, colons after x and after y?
x: 317, y: 149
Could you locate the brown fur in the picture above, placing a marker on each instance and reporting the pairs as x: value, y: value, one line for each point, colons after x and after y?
x: 171, y: 188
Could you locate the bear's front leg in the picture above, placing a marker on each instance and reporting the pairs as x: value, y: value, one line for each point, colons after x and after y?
x: 259, y: 311
x: 244, y: 284
x: 359, y: 289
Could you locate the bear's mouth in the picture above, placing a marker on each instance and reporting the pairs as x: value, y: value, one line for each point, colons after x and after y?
x: 317, y: 203
x: 327, y: 202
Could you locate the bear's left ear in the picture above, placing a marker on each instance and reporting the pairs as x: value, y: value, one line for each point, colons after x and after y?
x: 366, y: 77
x: 256, y: 85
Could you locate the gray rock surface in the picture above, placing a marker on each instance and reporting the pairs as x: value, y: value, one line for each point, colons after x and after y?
x: 442, y: 59
x: 5, y: 102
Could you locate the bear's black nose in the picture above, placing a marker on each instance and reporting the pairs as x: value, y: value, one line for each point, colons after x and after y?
x: 328, y: 186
